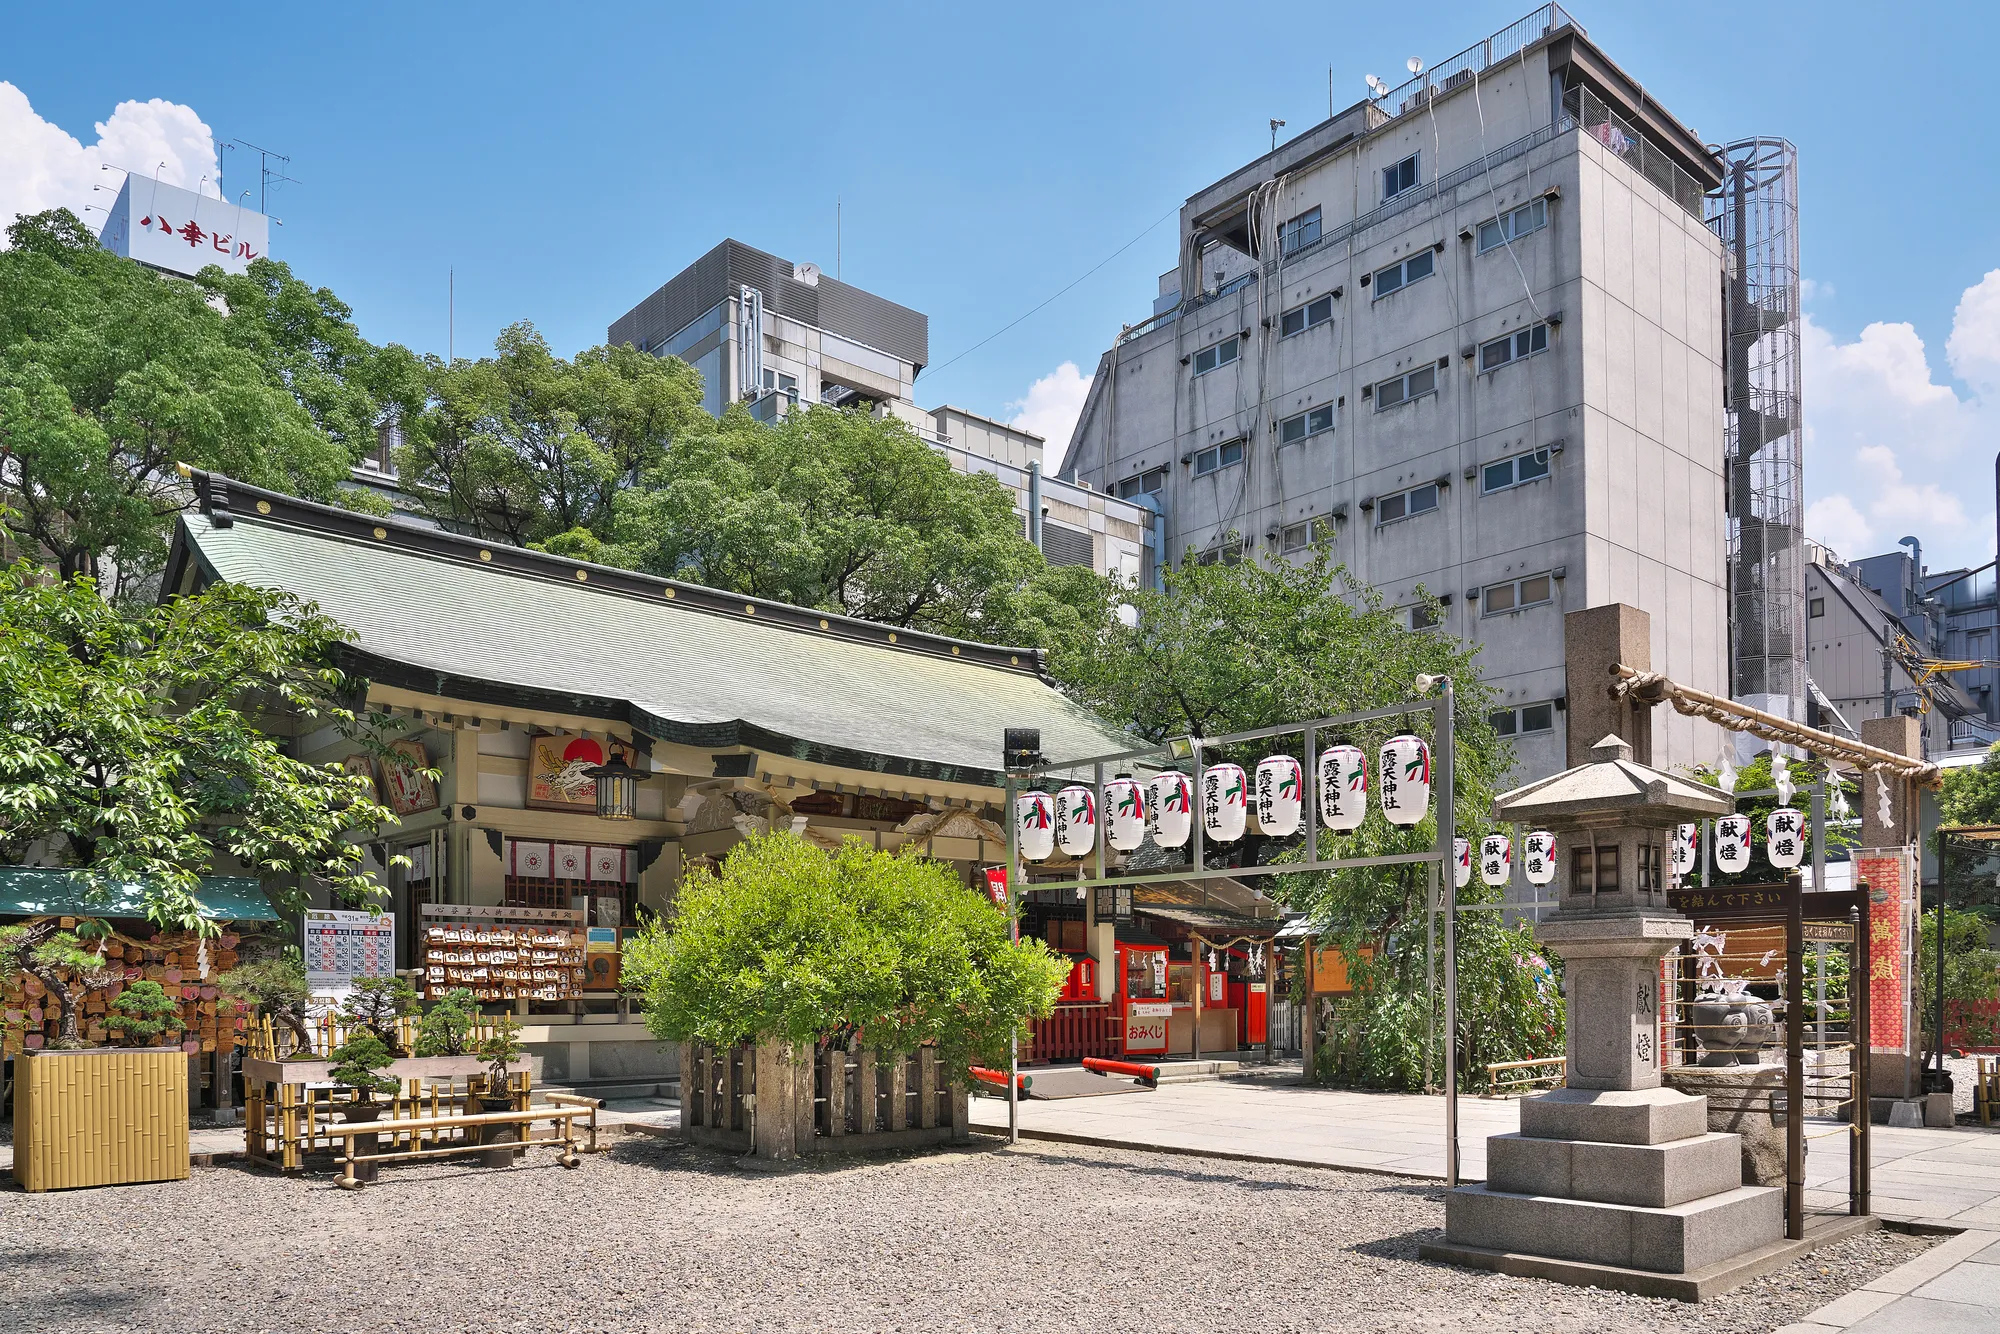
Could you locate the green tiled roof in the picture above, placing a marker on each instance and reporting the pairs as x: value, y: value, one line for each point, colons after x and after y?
x: 677, y: 662
x: 38, y: 891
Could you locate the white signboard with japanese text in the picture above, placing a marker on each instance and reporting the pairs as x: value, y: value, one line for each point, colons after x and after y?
x: 181, y: 231
x: 341, y: 946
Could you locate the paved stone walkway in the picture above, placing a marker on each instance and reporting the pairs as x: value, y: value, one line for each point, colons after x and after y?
x: 1954, y: 1288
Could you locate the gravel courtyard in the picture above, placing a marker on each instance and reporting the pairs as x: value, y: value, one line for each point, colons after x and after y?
x: 657, y: 1235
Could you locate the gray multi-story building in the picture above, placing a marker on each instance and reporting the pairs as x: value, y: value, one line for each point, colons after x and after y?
x: 773, y: 335
x: 1471, y: 334
x: 1872, y: 627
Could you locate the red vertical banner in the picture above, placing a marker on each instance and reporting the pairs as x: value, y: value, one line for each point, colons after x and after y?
x: 996, y: 885
x: 1886, y: 950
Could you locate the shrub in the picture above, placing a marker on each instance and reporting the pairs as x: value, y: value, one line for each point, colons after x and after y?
x: 360, y: 1061
x: 145, y: 1011
x: 789, y: 942
x: 446, y: 1025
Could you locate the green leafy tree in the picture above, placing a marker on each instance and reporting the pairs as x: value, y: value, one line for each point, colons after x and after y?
x: 275, y: 986
x: 359, y: 1064
x: 525, y: 447
x: 447, y: 1025
x: 131, y: 746
x: 112, y: 374
x: 850, y: 513
x: 377, y: 1003
x: 1971, y: 975
x: 1971, y: 794
x: 63, y: 960
x: 1232, y: 648
x: 144, y: 1012
x: 791, y: 943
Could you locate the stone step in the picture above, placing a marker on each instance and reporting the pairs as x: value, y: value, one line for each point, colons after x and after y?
x: 1655, y: 1176
x: 618, y: 1090
x: 1615, y: 1116
x: 1671, y: 1240
x: 1193, y: 1072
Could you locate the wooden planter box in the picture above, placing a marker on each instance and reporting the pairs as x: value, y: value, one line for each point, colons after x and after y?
x: 101, y: 1117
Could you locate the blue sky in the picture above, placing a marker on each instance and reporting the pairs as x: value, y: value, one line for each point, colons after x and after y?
x: 567, y: 161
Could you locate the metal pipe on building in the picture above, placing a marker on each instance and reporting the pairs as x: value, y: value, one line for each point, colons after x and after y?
x: 1035, y: 504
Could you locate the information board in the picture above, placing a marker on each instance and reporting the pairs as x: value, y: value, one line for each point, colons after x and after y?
x: 341, y: 945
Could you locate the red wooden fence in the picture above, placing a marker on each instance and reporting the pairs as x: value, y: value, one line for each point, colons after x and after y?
x: 1074, y: 1032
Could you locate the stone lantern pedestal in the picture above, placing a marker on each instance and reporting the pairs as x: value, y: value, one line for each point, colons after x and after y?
x: 1615, y: 1180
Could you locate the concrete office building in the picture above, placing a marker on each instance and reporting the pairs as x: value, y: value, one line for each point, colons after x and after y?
x: 1469, y: 332
x: 771, y: 334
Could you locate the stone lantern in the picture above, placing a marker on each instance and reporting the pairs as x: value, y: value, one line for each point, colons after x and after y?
x: 1614, y: 1172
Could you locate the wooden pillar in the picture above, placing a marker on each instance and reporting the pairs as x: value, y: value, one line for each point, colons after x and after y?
x: 899, y: 1088
x: 866, y: 1093
x: 1308, y: 1030
x: 1200, y: 994
x: 805, y: 1069
x: 927, y: 1072
x: 834, y: 1059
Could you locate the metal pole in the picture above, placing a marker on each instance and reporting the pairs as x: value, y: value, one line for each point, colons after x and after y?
x: 1431, y: 882
x: 1819, y: 887
x: 1795, y: 1070
x: 1014, y: 930
x: 1446, y: 829
x: 1200, y: 861
x: 1860, y: 1062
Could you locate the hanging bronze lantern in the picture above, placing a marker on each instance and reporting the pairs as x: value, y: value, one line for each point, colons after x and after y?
x: 617, y: 789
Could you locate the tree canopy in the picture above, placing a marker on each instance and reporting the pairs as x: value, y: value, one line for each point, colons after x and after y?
x: 788, y: 942
x: 525, y: 446
x: 131, y: 744
x: 1233, y: 648
x: 111, y: 374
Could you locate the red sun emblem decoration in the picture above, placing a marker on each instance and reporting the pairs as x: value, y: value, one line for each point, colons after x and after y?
x: 583, y: 748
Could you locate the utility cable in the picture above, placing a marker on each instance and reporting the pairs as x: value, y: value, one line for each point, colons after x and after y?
x: 1092, y: 269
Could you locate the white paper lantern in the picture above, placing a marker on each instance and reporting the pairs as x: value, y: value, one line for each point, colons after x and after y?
x: 1035, y: 817
x: 1225, y: 802
x: 1170, y: 815
x: 1461, y: 862
x: 1732, y: 843
x: 1496, y: 859
x: 1406, y: 780
x: 1784, y: 837
x: 1076, y: 819
x: 1343, y: 787
x: 1539, y: 862
x: 1124, y: 813
x: 1281, y: 786
x: 1687, y: 847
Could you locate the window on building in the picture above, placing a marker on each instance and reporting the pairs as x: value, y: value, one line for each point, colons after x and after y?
x: 1301, y: 231
x: 1496, y: 599
x: 1521, y: 343
x: 1221, y: 354
x: 1424, y: 616
x: 1222, y: 553
x: 1406, y: 504
x: 777, y: 382
x: 1148, y: 483
x: 1403, y: 388
x: 1404, y: 272
x: 1301, y: 318
x: 1816, y: 607
x: 1498, y: 231
x: 1313, y: 532
x: 1524, y: 719
x: 1310, y: 422
x: 1530, y: 467
x: 1218, y: 457
x: 1401, y: 177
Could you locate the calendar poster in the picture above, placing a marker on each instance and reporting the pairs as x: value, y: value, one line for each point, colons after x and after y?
x: 341, y: 946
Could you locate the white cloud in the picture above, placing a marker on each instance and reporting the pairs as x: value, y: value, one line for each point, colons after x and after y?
x: 42, y: 166
x: 1050, y: 408
x: 1890, y: 450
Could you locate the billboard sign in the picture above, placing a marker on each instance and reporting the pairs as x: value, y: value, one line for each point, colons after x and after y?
x: 182, y: 232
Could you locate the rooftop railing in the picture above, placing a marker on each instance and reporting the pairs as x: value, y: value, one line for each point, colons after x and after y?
x: 1442, y: 78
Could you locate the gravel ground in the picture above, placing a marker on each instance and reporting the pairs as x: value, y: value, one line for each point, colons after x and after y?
x: 658, y: 1235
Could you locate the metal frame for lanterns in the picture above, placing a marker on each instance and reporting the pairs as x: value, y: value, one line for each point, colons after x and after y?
x: 1436, y: 698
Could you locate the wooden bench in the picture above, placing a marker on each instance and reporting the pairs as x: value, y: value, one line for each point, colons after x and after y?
x: 565, y: 1118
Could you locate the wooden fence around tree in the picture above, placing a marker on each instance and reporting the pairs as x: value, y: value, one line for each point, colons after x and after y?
x: 784, y: 1102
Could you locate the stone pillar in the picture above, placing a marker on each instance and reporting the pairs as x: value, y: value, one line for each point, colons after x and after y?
x: 774, y: 1133
x: 1594, y: 641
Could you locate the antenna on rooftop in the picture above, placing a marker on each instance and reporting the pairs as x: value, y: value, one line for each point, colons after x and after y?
x: 1414, y: 65
x: 1376, y: 88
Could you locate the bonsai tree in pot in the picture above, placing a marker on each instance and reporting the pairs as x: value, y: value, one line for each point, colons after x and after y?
x: 500, y: 1046
x: 360, y: 1063
x: 62, y: 960
x: 275, y: 986
x: 144, y: 1012
x: 446, y: 1028
x: 376, y: 1003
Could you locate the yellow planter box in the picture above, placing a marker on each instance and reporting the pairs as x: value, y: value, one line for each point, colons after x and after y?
x: 101, y: 1117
